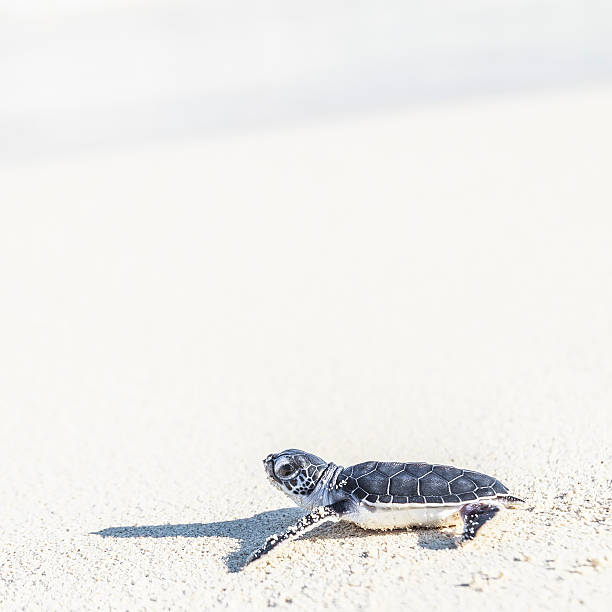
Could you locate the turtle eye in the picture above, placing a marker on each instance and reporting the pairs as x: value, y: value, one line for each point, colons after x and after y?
x: 285, y: 470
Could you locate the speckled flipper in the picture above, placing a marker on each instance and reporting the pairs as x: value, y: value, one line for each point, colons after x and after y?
x: 475, y: 516
x: 510, y: 501
x: 319, y: 515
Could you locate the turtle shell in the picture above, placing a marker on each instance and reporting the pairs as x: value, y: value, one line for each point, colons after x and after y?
x: 416, y: 483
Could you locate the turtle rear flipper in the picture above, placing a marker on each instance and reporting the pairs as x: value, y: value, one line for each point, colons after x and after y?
x: 509, y: 501
x: 474, y: 516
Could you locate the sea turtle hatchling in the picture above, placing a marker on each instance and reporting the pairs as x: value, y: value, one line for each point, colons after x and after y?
x: 382, y: 495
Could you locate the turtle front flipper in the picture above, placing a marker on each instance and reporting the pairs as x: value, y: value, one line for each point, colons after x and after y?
x: 322, y: 514
x: 474, y: 516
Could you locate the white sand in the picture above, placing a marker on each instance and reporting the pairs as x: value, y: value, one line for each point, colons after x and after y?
x: 434, y: 285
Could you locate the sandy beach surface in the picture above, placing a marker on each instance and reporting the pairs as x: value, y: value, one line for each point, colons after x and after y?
x: 432, y: 285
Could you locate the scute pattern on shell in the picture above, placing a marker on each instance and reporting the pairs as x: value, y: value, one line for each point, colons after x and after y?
x: 416, y: 483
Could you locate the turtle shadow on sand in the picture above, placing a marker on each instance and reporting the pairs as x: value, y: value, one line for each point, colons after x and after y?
x: 252, y: 531
x: 432, y: 538
x: 249, y: 532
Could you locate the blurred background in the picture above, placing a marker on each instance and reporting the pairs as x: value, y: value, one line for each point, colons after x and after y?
x: 119, y: 73
x: 255, y: 211
x: 258, y: 210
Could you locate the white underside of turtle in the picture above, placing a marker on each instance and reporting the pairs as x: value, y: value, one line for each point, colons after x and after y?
x: 385, y: 516
x: 382, y: 495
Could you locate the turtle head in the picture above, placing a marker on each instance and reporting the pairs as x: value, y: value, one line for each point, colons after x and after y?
x: 295, y: 472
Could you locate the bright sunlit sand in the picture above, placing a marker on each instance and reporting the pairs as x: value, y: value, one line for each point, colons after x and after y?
x: 433, y: 285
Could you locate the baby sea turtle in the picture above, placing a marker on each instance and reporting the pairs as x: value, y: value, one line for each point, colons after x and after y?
x: 382, y: 495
